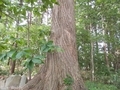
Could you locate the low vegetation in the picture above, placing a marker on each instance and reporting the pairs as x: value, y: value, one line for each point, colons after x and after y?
x: 99, y: 86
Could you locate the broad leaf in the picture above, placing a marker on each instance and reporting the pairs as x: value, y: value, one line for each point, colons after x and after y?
x: 39, y: 57
x: 36, y: 60
x: 30, y: 65
x: 11, y: 53
x: 20, y: 54
x: 3, y: 56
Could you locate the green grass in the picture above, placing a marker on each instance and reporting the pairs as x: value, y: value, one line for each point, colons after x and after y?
x: 99, y: 86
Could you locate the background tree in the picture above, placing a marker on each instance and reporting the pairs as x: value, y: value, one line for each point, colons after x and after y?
x: 102, y: 16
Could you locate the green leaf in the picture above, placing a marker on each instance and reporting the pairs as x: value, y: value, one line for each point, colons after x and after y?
x: 68, y: 80
x: 1, y: 2
x: 28, y: 60
x: 26, y: 49
x: 53, y: 1
x: 56, y: 3
x: 6, y: 1
x: 47, y: 49
x: 27, y: 52
x: 36, y: 60
x: 43, y: 48
x: 24, y: 12
x: 2, y: 26
x: 39, y: 57
x: 15, y: 10
x: 20, y: 54
x: 11, y: 53
x: 2, y: 47
x: 27, y: 1
x: 3, y: 56
x: 99, y: 1
x: 50, y: 43
x: 43, y: 1
x: 30, y: 65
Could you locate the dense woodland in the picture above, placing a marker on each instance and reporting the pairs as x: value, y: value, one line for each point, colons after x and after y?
x: 33, y: 30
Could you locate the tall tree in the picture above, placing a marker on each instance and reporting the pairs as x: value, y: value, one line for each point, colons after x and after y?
x: 61, y: 69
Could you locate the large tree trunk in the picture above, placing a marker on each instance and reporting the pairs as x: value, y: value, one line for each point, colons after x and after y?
x: 59, y: 65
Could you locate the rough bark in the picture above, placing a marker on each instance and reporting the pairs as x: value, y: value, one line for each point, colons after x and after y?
x: 60, y: 64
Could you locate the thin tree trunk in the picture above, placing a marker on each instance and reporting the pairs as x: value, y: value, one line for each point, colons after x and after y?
x: 105, y: 46
x: 13, y: 62
x: 92, y: 59
x: 106, y: 56
x: 59, y: 65
x: 92, y: 63
x: 12, y: 69
x: 28, y: 38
